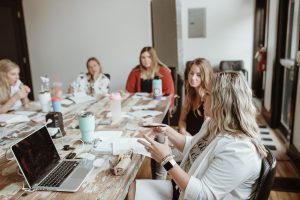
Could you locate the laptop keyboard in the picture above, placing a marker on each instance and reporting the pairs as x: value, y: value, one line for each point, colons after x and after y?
x: 56, y: 177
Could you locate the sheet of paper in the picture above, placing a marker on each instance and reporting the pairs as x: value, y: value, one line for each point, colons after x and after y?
x: 143, y: 107
x: 12, y: 118
x: 123, y: 145
x: 66, y: 102
x: 26, y: 113
x: 107, y: 135
x: 103, y: 147
x: 81, y: 97
x: 146, y: 113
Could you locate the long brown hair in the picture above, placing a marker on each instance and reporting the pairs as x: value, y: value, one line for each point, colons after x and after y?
x: 193, y: 98
x: 155, y: 64
x: 6, y: 65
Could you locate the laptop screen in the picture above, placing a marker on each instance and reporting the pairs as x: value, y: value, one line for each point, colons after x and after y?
x: 36, y: 155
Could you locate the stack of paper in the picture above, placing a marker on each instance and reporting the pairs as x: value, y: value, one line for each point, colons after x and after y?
x: 81, y: 97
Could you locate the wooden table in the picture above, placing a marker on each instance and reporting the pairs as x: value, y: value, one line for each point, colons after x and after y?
x: 101, y: 183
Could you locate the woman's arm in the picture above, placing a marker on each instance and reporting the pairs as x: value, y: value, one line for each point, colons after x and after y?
x: 131, y: 82
x: 161, y: 151
x: 21, y: 94
x: 182, y: 120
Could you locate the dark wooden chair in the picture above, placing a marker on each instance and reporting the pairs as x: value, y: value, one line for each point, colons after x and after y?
x: 233, y: 65
x: 107, y: 75
x: 265, y: 181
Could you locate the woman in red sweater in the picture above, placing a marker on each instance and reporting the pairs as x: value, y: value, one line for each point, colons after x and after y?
x: 140, y: 78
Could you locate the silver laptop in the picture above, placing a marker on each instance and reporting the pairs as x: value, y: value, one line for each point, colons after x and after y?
x: 42, y: 167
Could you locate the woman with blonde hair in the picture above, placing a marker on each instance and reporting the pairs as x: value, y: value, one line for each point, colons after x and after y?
x: 94, y: 82
x: 198, y: 73
x: 223, y: 160
x: 13, y: 93
x: 140, y: 78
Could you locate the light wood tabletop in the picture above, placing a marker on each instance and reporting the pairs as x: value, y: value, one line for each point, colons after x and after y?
x: 101, y: 183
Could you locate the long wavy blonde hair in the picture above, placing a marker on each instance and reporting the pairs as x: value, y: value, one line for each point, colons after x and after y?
x: 155, y: 64
x: 6, y: 65
x: 193, y: 95
x: 232, y: 109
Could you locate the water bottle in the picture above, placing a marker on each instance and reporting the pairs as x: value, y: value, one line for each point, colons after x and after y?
x: 56, y: 104
x: 115, y: 102
x: 157, y: 88
x: 87, y: 126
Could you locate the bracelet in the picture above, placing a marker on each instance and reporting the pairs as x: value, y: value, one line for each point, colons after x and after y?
x: 164, y: 158
x: 167, y: 159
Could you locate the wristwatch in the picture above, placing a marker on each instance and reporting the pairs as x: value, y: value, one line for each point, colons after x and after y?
x: 170, y: 164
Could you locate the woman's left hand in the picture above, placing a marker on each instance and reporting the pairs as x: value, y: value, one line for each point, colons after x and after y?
x: 158, y: 150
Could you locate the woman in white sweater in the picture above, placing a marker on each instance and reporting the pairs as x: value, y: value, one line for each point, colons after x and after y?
x: 223, y: 160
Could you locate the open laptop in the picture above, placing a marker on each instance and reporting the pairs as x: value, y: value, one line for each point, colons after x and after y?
x: 42, y: 167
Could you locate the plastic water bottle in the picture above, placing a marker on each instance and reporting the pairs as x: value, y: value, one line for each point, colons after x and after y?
x: 115, y: 102
x: 157, y: 88
x: 56, y: 104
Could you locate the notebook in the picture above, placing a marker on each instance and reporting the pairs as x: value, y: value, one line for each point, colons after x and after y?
x: 41, y: 164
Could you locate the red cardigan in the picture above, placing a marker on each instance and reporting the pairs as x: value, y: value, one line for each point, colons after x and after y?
x: 134, y: 81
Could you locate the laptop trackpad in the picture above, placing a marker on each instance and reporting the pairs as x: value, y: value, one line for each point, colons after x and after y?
x: 80, y: 173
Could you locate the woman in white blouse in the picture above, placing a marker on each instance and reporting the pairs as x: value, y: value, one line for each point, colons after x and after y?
x: 222, y: 161
x: 92, y: 83
x: 13, y: 93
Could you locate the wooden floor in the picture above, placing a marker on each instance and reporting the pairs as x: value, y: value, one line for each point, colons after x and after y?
x: 285, y: 168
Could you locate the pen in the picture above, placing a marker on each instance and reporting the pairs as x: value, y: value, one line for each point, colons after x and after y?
x: 154, y: 126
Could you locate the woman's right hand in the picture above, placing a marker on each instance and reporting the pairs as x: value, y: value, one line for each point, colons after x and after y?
x: 23, y: 92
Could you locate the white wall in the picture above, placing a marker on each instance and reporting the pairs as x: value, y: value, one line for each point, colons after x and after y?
x: 63, y: 34
x: 230, y: 27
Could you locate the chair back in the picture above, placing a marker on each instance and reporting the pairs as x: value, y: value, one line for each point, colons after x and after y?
x: 266, y: 178
x: 107, y: 75
x: 233, y: 65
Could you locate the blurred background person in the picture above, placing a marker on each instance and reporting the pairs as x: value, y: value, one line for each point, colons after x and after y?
x: 141, y: 77
x: 13, y: 93
x: 94, y: 82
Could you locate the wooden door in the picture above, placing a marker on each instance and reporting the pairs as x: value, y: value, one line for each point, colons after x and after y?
x: 13, y: 38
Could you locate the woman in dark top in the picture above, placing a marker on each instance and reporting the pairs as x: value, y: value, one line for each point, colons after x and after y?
x: 192, y: 117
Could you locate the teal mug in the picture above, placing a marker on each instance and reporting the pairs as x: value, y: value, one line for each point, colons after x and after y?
x: 87, y: 126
